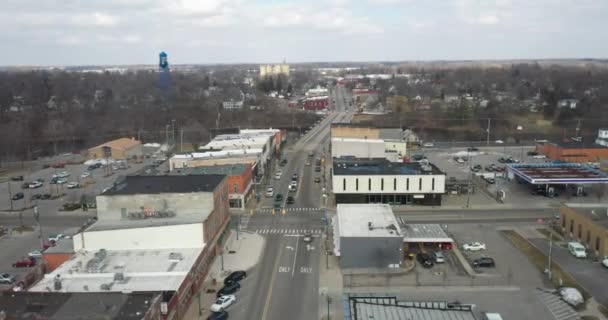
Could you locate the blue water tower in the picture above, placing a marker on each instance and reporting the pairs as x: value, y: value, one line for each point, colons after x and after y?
x: 164, y: 78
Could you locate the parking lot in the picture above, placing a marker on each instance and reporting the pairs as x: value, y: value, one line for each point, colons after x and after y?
x: 16, y: 245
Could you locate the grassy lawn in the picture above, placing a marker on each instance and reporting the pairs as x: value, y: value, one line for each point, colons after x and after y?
x: 539, y: 259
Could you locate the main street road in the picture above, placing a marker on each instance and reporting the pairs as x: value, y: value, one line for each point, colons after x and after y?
x: 287, y: 278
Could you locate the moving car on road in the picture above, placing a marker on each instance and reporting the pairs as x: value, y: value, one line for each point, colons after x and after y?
x: 269, y: 192
x: 474, y: 246
x: 428, y: 145
x: 290, y: 200
x: 17, y: 178
x: 223, y: 302
x: 317, y: 179
x: 307, y: 238
x: 278, y: 174
x: 278, y: 198
x: 484, y: 262
x: 605, y: 262
x: 56, y: 237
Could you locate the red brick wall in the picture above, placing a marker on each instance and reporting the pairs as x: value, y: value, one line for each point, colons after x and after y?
x: 555, y: 152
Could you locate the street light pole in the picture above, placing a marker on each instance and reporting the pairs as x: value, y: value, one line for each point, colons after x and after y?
x: 549, y: 273
x: 328, y: 303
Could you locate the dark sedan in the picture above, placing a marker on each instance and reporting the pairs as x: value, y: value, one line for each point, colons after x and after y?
x: 236, y: 276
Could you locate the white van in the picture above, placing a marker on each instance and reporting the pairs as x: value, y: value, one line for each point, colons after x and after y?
x: 577, y: 249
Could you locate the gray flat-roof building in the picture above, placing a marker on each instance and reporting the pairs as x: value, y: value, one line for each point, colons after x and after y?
x: 367, y: 236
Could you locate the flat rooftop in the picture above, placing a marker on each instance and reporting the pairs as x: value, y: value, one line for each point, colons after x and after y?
x: 572, y: 144
x: 382, y: 167
x: 76, y: 306
x: 357, y: 140
x: 596, y: 213
x: 105, y: 225
x: 367, y: 220
x: 386, y: 307
x: 235, y: 169
x: 142, y: 270
x: 424, y: 233
x: 557, y: 173
x: 166, y: 184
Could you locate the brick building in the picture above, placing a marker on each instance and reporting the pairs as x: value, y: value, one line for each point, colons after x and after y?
x: 573, y: 151
x: 587, y: 224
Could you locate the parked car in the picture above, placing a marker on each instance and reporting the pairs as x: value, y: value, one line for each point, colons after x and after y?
x: 474, y: 246
x: 294, y: 177
x: 277, y: 175
x: 484, y: 262
x: 290, y: 200
x: 235, y: 276
x: 25, y: 185
x: 62, y: 181
x: 24, y: 263
x: 222, y: 315
x: 499, y: 142
x: 17, y: 178
x: 223, y: 302
x: 489, y: 168
x: 62, y: 174
x: 428, y: 145
x: 425, y: 260
x: 472, y: 149
x: 6, y: 278
x: 502, y: 160
x: 540, y: 156
x: 605, y: 262
x: 532, y: 153
x: 317, y: 179
x: 45, y: 196
x: 36, y: 196
x: 269, y: 192
x: 292, y: 188
x: 35, y: 184
x: 418, y: 157
x: 228, y: 289
x: 439, y: 257
x: 307, y: 163
x: 17, y: 196
x: 70, y: 206
x: 283, y: 162
x: 56, y: 237
x: 47, y: 244
x: 85, y: 175
x: 35, y: 254
x: 490, y: 180
x: 577, y: 249
x: 72, y: 185
x: 317, y: 169
x: 278, y: 197
x: 307, y: 238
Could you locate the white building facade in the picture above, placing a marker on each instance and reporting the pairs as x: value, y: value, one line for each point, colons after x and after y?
x: 377, y: 181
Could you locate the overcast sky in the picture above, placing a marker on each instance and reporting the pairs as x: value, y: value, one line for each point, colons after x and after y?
x: 77, y: 32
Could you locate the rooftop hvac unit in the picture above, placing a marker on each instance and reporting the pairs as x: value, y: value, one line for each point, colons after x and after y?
x: 57, y: 282
x: 175, y: 256
x: 119, y: 276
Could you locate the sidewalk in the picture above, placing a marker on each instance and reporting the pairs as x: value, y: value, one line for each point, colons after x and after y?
x: 330, y: 285
x: 247, y: 252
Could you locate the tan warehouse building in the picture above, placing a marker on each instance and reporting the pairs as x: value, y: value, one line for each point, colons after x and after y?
x: 587, y: 224
x: 118, y: 149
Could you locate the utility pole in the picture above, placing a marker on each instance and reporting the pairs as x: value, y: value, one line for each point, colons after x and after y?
x: 488, y: 132
x: 37, y: 218
x: 167, y: 136
x: 10, y: 195
x: 173, y: 131
x: 181, y: 140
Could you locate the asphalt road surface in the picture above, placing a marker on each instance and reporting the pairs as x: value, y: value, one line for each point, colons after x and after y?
x: 286, y: 281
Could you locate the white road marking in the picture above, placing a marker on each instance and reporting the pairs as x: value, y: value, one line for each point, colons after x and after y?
x: 295, y: 256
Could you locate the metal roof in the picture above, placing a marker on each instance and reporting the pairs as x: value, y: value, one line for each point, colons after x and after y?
x: 424, y: 233
x: 382, y: 167
x: 388, y: 308
x: 557, y: 173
